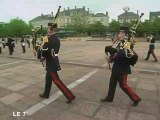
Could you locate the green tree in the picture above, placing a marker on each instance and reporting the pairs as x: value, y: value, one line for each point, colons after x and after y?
x: 75, y: 27
x: 96, y: 28
x: 114, y: 26
x: 18, y: 27
x: 148, y: 27
x: 4, y: 30
x: 156, y: 26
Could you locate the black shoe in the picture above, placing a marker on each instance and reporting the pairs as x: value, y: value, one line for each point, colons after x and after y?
x: 135, y: 103
x: 70, y: 101
x: 43, y: 96
x: 155, y: 61
x: 106, y: 100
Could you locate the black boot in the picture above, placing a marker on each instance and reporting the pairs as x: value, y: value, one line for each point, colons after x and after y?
x: 135, y: 103
x: 70, y: 101
x: 107, y: 99
x: 43, y: 96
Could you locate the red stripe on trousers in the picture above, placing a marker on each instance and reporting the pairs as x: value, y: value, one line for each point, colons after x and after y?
x: 60, y: 84
x: 129, y: 90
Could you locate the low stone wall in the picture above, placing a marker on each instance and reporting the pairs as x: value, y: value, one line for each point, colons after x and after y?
x: 139, y: 39
x: 78, y: 38
x: 86, y: 39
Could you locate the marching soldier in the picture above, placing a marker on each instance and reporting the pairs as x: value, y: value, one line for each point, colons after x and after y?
x: 0, y: 46
x: 120, y: 70
x: 151, y: 48
x: 28, y: 42
x: 3, y: 42
x: 10, y: 44
x: 23, y: 45
x: 50, y: 53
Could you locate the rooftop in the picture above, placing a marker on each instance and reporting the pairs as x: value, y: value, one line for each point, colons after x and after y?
x: 2, y: 23
x: 154, y: 14
x: 128, y: 14
x: 68, y: 12
x: 100, y: 15
x: 42, y: 17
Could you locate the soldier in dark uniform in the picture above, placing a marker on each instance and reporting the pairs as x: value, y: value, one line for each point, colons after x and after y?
x: 151, y: 48
x: 3, y: 42
x: 28, y: 42
x: 10, y: 44
x: 0, y: 46
x: 14, y: 43
x: 120, y: 70
x: 50, y: 54
x: 23, y: 45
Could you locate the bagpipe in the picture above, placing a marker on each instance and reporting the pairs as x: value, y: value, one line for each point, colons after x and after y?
x: 40, y: 48
x: 127, y: 45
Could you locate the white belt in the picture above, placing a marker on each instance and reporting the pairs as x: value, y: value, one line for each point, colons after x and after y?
x: 55, y: 54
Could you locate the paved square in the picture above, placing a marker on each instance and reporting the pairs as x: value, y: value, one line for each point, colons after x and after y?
x: 11, y: 98
x: 22, y: 79
x: 141, y: 116
x: 111, y: 113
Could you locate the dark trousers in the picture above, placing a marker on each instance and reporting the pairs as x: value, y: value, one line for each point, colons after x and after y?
x: 122, y: 80
x: 53, y: 76
x: 10, y: 50
x: 28, y: 44
x: 151, y: 51
x: 23, y: 49
x: 4, y: 45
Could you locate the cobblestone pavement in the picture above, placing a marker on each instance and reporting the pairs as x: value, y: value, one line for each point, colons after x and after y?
x: 84, y: 71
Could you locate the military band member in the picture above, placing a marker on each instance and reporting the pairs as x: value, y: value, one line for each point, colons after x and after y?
x: 14, y: 43
x: 28, y: 42
x: 50, y: 54
x: 0, y: 46
x: 3, y: 42
x: 23, y: 45
x: 151, y: 48
x: 10, y: 44
x: 120, y: 70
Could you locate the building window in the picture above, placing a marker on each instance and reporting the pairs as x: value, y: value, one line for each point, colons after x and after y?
x: 121, y: 20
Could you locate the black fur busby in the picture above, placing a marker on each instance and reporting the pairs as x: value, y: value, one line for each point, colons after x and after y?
x: 53, y: 25
x: 124, y: 29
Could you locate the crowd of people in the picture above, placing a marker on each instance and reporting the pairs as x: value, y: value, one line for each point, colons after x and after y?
x: 11, y: 43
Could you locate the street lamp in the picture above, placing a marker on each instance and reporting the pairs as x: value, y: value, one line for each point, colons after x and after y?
x: 126, y: 9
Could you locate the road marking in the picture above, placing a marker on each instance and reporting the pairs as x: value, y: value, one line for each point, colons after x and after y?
x: 10, y: 63
x: 55, y: 96
x: 77, y: 63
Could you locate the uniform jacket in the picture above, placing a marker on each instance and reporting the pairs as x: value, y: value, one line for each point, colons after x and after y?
x: 22, y: 42
x: 10, y: 42
x: 52, y: 63
x: 151, y: 46
x: 120, y: 63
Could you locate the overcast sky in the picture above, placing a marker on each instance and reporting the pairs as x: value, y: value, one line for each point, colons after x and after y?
x: 28, y: 9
